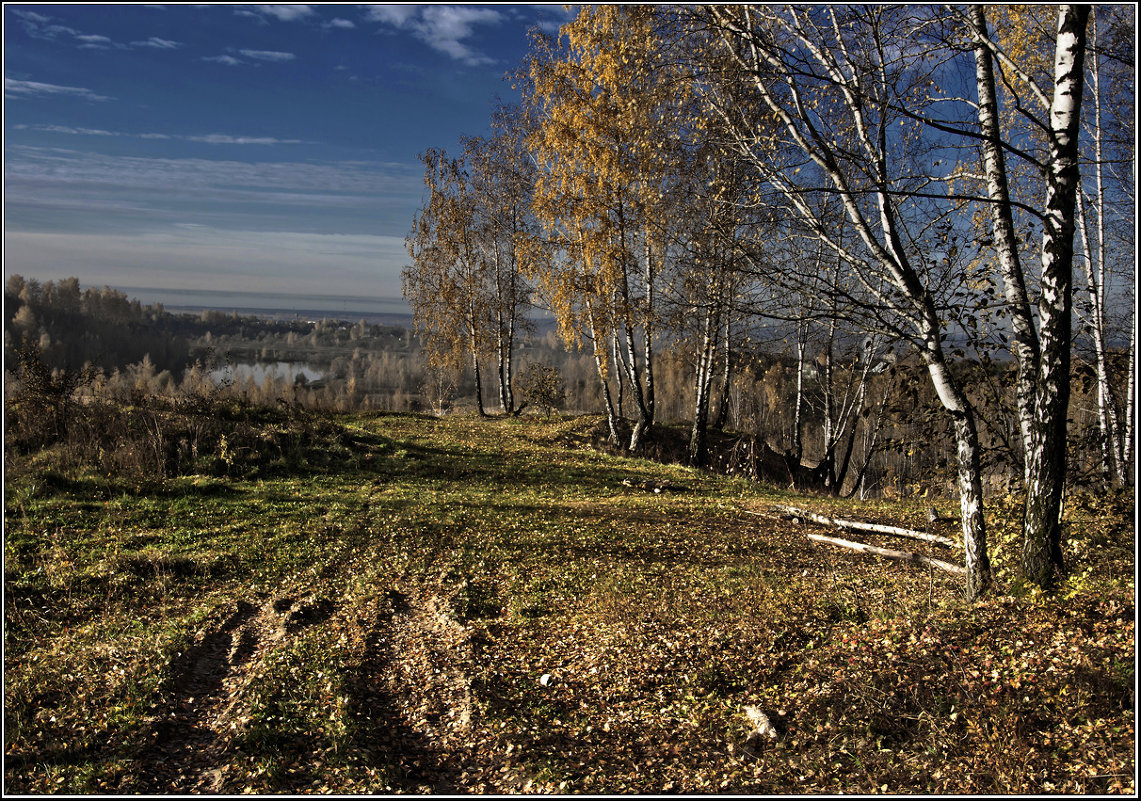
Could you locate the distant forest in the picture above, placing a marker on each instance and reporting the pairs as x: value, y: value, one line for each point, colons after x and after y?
x: 902, y: 446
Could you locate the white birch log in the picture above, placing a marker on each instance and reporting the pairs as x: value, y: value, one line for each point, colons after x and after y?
x: 873, y: 528
x: 906, y: 556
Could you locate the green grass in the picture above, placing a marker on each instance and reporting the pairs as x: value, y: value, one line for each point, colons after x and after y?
x: 377, y: 613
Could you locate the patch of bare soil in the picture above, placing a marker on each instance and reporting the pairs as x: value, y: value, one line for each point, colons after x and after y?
x: 189, y: 738
x: 412, y: 695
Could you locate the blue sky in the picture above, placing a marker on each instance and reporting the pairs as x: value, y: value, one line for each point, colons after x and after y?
x: 238, y: 148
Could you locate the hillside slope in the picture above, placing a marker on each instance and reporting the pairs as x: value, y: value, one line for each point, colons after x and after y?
x: 457, y: 605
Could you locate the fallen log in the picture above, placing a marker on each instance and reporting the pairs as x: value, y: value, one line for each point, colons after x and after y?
x: 906, y: 556
x: 873, y: 528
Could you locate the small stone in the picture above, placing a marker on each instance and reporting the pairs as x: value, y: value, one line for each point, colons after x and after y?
x: 545, y: 679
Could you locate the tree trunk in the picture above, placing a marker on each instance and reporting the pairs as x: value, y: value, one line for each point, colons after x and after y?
x: 726, y: 375
x: 600, y: 358
x: 798, y: 404
x: 702, y: 384
x: 1107, y: 418
x: 1046, y: 459
x: 1002, y: 224
x: 907, y: 556
x: 1095, y: 275
x: 478, y: 385
x: 1127, y: 449
x: 970, y: 478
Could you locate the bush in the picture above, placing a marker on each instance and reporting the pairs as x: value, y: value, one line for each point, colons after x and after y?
x: 542, y: 386
x: 41, y: 409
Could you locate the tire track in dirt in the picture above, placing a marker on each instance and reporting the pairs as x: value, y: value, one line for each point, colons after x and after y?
x: 188, y: 742
x: 411, y: 696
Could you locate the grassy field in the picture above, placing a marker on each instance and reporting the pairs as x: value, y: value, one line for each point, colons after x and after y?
x: 466, y: 605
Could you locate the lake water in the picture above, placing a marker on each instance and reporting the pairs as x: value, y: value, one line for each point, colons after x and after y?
x: 287, y: 371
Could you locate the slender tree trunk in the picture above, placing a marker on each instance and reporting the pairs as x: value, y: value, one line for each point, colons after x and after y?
x: 1095, y: 275
x: 828, y: 424
x: 702, y: 384
x: 600, y: 365
x: 726, y: 374
x: 1025, y: 342
x: 1107, y: 417
x: 644, y: 420
x: 648, y: 329
x: 798, y: 404
x: 502, y: 338
x: 970, y: 478
x: 473, y: 345
x: 1127, y: 448
x: 619, y: 374
x: 1046, y: 459
x: 478, y: 384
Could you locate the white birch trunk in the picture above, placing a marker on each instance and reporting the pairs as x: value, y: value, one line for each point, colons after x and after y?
x: 1046, y: 459
x: 1026, y: 350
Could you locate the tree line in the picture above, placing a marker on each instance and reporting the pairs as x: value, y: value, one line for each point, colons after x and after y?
x: 949, y: 182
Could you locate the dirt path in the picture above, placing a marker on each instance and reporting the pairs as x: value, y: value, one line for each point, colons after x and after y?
x: 190, y: 737
x: 409, y: 692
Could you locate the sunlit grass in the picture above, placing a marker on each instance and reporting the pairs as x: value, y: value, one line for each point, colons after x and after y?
x: 487, y: 554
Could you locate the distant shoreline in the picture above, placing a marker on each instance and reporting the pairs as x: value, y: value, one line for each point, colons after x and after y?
x: 308, y: 315
x: 277, y: 306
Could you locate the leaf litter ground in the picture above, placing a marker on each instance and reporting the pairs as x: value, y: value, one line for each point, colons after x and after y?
x: 468, y: 605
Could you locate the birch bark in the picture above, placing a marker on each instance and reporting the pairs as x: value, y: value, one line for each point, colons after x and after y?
x: 1046, y: 452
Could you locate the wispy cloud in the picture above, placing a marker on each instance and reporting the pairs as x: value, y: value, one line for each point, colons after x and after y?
x: 282, y: 13
x: 252, y: 56
x: 443, y: 28
x: 226, y: 139
x: 157, y: 43
x: 210, y: 139
x: 95, y: 40
x: 40, y: 26
x: 392, y: 15
x: 229, y: 61
x: 14, y: 90
x: 337, y: 22
x: 31, y: 16
x: 268, y: 55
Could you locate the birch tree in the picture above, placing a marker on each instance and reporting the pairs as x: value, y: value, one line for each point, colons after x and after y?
x: 1043, y: 351
x: 447, y: 282
x: 502, y: 183
x: 605, y: 113
x: 826, y: 83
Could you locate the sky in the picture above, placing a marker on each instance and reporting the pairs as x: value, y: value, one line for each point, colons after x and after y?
x: 267, y: 149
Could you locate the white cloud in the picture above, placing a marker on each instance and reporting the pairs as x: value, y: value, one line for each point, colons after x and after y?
x: 284, y: 13
x: 14, y: 90
x: 157, y: 43
x: 268, y: 55
x: 391, y: 15
x: 226, y: 139
x: 65, y: 129
x: 337, y: 22
x: 210, y: 139
x: 31, y: 16
x: 229, y: 61
x: 443, y: 28
x: 184, y: 256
